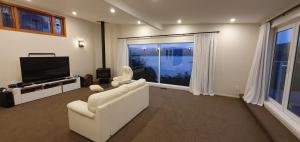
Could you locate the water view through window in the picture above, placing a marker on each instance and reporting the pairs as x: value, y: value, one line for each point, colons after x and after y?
x: 176, y: 61
x: 143, y: 59
x: 162, y: 63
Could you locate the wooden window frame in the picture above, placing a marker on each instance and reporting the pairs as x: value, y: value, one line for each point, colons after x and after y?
x: 63, y: 25
x: 13, y: 17
x: 16, y: 21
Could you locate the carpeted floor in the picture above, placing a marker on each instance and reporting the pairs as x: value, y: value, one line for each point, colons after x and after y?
x: 173, y: 116
x: 277, y: 131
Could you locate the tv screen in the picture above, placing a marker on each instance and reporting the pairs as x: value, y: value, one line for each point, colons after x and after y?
x: 36, y: 69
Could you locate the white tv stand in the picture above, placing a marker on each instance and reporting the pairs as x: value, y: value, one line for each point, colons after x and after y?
x: 42, y: 90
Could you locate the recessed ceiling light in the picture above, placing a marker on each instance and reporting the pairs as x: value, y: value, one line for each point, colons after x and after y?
x: 28, y: 0
x: 112, y: 10
x: 139, y: 22
x: 74, y: 13
x: 179, y: 21
x: 232, y: 20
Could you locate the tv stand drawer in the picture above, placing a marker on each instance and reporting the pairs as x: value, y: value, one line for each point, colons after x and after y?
x: 71, y: 85
x: 28, y: 97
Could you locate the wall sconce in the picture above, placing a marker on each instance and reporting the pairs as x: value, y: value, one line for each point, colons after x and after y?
x: 81, y: 44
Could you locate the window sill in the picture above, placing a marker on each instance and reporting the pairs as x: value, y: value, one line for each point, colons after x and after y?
x: 177, y: 87
x: 287, y: 121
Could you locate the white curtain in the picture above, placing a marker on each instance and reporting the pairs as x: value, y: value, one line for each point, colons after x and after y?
x: 202, y: 78
x: 121, y: 56
x: 257, y: 85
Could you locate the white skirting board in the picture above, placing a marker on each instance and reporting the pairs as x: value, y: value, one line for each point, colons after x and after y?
x: 185, y: 88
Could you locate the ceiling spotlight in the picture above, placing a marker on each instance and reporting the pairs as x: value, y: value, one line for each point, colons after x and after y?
x: 28, y: 0
x: 139, y: 22
x: 179, y: 21
x: 232, y: 20
x: 112, y: 10
x: 74, y: 13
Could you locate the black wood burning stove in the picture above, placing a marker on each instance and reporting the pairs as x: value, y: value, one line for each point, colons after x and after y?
x: 103, y: 74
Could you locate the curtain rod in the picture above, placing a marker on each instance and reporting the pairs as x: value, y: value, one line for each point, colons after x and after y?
x: 284, y: 13
x: 172, y: 35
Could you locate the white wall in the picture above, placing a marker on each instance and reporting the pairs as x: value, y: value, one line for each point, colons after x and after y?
x: 235, y: 52
x: 19, y: 44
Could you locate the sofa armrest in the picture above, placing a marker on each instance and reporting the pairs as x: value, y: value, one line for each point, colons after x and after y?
x: 81, y: 108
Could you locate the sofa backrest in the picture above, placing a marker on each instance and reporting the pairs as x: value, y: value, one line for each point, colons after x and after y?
x: 135, y: 84
x: 102, y: 98
x: 99, y: 99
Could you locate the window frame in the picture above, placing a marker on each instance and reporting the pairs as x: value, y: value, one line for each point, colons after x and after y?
x: 13, y: 17
x: 274, y: 102
x: 63, y: 25
x: 289, y: 72
x: 16, y: 22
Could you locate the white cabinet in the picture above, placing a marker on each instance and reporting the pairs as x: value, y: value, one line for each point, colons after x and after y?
x: 71, y: 86
x: 39, y: 91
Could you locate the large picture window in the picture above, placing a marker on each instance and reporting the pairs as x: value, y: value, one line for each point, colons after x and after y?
x: 284, y: 88
x: 19, y: 18
x: 176, y: 61
x: 143, y: 59
x: 167, y: 63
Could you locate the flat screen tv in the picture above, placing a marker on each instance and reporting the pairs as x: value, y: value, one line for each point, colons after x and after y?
x: 36, y: 69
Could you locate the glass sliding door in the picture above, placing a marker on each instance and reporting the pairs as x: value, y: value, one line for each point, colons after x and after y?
x: 176, y: 61
x: 279, y: 66
x: 143, y: 59
x: 294, y: 96
x: 166, y: 63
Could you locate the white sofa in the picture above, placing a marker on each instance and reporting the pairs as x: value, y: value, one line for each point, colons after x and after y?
x: 107, y: 112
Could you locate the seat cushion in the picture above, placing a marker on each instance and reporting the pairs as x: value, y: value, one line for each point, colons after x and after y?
x: 99, y: 99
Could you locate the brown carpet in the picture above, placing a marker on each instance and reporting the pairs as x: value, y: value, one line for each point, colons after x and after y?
x: 277, y: 131
x: 173, y: 116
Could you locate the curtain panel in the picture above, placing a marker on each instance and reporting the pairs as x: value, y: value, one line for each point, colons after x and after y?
x: 258, y: 81
x: 121, y: 56
x: 202, y: 79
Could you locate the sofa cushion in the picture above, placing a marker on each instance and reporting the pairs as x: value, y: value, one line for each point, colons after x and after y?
x: 99, y: 99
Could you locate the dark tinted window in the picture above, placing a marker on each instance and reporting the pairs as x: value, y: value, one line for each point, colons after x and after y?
x: 6, y: 14
x: 294, y: 98
x: 34, y: 21
x: 58, y: 26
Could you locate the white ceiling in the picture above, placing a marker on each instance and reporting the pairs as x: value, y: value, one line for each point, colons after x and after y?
x: 91, y: 10
x: 168, y: 11
x: 211, y: 11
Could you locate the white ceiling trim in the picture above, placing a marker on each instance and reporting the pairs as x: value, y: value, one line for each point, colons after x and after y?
x: 128, y: 9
